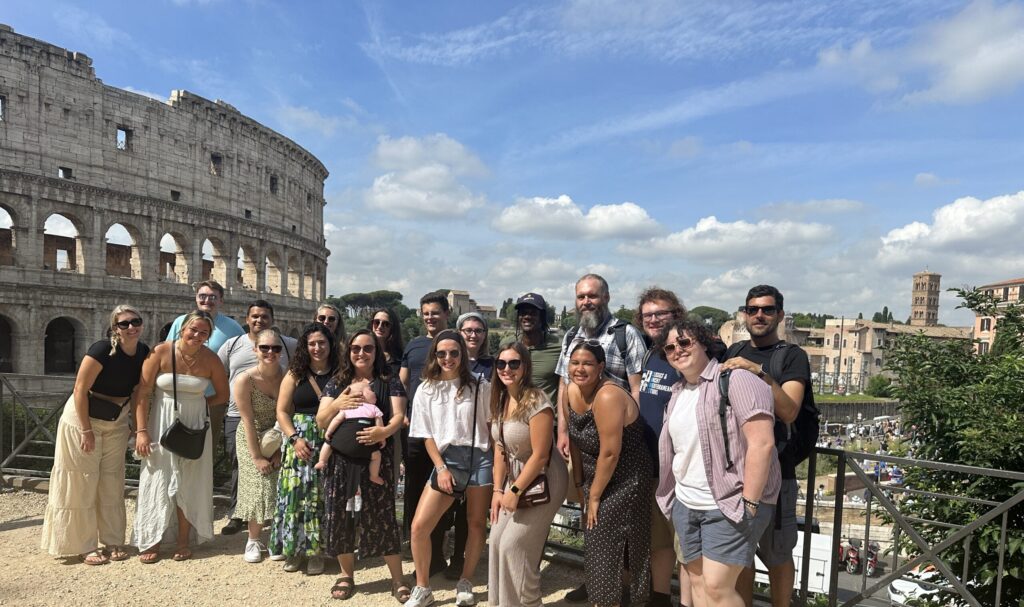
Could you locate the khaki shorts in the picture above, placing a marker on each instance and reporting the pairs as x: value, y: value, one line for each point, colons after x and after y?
x: 662, y: 536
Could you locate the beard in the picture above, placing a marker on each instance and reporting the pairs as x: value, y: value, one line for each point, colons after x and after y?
x: 592, y: 319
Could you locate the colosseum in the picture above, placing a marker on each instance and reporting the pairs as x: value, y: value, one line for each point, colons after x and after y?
x: 108, y: 196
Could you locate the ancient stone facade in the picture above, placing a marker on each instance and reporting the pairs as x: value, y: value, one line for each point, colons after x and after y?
x: 192, y: 171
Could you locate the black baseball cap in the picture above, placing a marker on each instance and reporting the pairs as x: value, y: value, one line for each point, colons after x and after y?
x: 532, y: 299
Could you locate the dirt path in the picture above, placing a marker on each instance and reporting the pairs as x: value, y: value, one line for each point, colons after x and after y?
x: 216, y: 575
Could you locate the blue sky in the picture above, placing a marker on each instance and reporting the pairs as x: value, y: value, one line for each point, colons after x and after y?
x: 829, y: 148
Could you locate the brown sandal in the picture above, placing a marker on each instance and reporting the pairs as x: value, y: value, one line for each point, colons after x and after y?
x: 149, y: 557
x: 343, y: 593
x: 96, y: 557
x: 182, y: 554
x: 118, y: 553
x: 401, y: 591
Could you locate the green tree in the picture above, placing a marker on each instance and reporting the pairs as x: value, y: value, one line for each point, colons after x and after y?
x: 879, y: 386
x: 624, y: 313
x: 968, y: 410
x: 707, y: 313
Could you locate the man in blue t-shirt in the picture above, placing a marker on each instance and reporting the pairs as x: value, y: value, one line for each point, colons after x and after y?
x: 209, y: 299
x: 655, y: 309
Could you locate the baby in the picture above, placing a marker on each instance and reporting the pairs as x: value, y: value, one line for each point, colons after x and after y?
x: 368, y: 410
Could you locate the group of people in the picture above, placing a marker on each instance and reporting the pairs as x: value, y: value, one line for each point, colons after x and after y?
x: 629, y: 420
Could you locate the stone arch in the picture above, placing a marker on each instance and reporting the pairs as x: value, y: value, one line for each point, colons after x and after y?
x: 275, y: 273
x: 6, y: 345
x: 65, y: 337
x: 248, y: 271
x: 308, y: 283
x: 62, y: 243
x: 174, y: 258
x: 294, y: 275
x: 8, y: 242
x: 122, y: 251
x: 215, y: 264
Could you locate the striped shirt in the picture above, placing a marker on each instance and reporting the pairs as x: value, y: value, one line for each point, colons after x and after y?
x: 616, y: 368
x: 748, y: 397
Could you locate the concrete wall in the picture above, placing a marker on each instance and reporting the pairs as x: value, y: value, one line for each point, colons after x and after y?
x: 192, y: 168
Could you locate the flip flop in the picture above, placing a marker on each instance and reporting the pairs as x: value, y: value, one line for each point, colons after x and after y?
x: 343, y: 593
x: 118, y: 553
x: 182, y: 554
x: 96, y: 557
x: 149, y: 557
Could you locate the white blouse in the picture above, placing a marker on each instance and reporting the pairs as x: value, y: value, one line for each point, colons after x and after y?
x: 440, y: 414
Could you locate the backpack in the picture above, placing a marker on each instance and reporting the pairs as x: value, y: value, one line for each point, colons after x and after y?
x: 618, y: 328
x: 794, y: 441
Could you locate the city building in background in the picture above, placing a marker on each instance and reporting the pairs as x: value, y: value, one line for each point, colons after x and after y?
x: 1005, y: 292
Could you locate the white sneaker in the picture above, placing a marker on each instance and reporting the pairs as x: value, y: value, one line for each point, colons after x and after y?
x: 254, y: 550
x: 421, y: 597
x: 464, y: 596
x: 276, y: 557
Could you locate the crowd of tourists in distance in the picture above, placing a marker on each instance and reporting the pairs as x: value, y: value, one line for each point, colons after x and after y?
x: 681, y: 452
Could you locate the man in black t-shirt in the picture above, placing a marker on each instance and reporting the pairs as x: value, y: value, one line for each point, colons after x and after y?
x: 790, y: 390
x: 434, y: 311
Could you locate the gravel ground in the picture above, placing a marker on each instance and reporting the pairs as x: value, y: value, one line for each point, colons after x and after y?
x: 216, y: 575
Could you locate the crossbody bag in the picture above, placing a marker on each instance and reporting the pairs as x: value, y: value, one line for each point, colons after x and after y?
x: 460, y: 478
x: 536, y: 492
x: 179, y: 438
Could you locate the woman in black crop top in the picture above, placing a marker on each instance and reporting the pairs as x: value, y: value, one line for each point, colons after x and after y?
x: 86, y: 500
x: 296, y: 529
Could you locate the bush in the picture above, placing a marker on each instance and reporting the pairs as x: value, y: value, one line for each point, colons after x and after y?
x: 879, y: 386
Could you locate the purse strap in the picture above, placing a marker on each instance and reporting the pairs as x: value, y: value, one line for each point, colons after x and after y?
x: 314, y: 385
x: 476, y: 398
x: 174, y: 373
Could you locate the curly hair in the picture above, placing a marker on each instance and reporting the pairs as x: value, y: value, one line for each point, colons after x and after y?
x: 299, y: 366
x: 695, y: 327
x: 658, y: 294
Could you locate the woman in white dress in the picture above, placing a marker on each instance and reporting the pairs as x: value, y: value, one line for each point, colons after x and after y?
x: 175, y: 500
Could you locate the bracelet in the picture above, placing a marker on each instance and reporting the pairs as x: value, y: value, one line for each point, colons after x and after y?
x: 141, y: 430
x: 84, y: 431
x: 441, y: 468
x: 751, y: 503
x: 499, y: 491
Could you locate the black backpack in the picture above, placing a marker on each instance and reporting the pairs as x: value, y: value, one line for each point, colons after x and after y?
x: 618, y: 328
x: 794, y: 441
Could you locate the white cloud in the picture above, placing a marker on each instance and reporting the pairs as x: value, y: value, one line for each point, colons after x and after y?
x: 423, y: 178
x: 561, y: 218
x: 931, y: 180
x: 714, y: 241
x: 306, y: 119
x: 686, y: 148
x: 58, y: 225
x: 89, y: 27
x: 144, y: 93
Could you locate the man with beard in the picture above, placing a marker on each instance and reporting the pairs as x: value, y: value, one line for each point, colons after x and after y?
x: 624, y: 353
x: 238, y: 355
x: 655, y: 309
x: 792, y: 394
x: 532, y: 332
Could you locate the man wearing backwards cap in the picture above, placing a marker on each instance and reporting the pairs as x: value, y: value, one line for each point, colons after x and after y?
x: 532, y: 331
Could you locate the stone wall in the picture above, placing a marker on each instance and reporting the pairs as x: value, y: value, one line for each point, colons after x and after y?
x: 192, y: 169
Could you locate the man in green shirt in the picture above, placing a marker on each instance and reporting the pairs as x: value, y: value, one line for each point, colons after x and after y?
x: 532, y: 332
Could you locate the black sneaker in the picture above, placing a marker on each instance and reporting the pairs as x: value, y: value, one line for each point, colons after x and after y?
x: 453, y: 571
x: 234, y: 526
x: 577, y: 596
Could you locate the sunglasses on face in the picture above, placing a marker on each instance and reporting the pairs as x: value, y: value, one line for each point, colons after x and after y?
x: 681, y: 342
x: 124, y: 324
x: 473, y: 331
x: 207, y: 297
x: 513, y: 365
x: 326, y: 319
x: 267, y: 349
x: 380, y: 323
x: 753, y: 310
x: 356, y: 349
x: 443, y: 354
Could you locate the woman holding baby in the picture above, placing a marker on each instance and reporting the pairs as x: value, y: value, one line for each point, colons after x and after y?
x: 361, y: 378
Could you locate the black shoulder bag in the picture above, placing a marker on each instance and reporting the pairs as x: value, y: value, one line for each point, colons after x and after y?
x: 460, y: 478
x: 179, y: 438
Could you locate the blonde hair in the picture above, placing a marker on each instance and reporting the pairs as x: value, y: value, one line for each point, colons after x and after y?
x: 193, y: 316
x: 115, y: 337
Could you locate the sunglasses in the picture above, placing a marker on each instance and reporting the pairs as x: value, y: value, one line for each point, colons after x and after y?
x: 473, y: 331
x: 206, y: 297
x: 380, y: 323
x: 266, y: 349
x: 443, y: 354
x: 753, y: 310
x: 513, y: 365
x: 356, y: 349
x: 124, y: 324
x: 326, y: 319
x: 682, y: 342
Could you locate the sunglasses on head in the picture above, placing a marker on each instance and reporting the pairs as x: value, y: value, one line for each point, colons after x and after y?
x: 267, y: 349
x: 124, y: 324
x: 513, y: 365
x: 326, y: 319
x: 753, y: 310
x: 442, y: 354
x: 379, y: 323
x: 357, y: 349
x: 681, y: 342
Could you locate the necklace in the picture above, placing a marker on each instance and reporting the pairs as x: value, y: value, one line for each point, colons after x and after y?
x: 188, y: 359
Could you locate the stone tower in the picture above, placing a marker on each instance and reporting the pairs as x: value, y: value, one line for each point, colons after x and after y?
x: 924, y: 308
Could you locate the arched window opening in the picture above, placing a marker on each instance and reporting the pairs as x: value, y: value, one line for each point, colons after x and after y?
x: 62, y: 247
x: 173, y: 260
x: 122, y: 253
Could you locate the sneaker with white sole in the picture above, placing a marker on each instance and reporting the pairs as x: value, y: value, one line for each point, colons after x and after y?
x: 315, y: 565
x: 254, y: 550
x: 464, y: 596
x: 421, y: 597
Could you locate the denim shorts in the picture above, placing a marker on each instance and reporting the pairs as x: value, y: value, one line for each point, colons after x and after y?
x: 476, y: 461
x: 779, y: 538
x: 710, y: 534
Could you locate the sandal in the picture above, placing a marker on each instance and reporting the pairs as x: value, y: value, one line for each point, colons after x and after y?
x: 148, y: 557
x: 118, y: 553
x: 96, y: 557
x: 401, y: 591
x: 343, y: 593
x: 182, y: 554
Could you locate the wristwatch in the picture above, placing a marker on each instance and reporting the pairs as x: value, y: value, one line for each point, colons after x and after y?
x: 762, y: 372
x: 294, y: 437
x: 515, y: 490
x: 441, y: 468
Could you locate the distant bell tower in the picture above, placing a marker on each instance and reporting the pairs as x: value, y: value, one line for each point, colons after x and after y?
x: 924, y: 306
